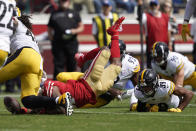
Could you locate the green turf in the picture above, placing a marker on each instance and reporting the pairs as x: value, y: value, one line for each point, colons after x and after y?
x: 113, y: 117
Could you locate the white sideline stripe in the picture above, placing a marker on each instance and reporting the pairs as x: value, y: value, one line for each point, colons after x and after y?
x: 139, y: 114
x: 135, y: 48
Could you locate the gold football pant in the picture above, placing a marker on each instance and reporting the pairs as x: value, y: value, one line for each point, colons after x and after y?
x: 98, y: 78
x: 27, y: 64
x: 191, y: 80
x: 3, y: 55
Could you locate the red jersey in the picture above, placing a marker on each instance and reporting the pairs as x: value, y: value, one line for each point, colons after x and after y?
x: 157, y: 29
x: 79, y: 90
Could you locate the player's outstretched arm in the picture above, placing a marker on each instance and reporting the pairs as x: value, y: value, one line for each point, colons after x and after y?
x: 186, y: 94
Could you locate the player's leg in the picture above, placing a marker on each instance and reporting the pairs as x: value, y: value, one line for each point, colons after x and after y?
x: 29, y: 90
x: 13, y: 67
x: 3, y: 56
x: 94, y: 75
x: 108, y: 77
x: 191, y: 80
x: 25, y: 60
x: 4, y: 49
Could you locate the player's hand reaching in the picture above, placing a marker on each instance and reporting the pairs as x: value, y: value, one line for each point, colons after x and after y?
x: 174, y: 110
x: 113, y: 30
x: 185, y: 31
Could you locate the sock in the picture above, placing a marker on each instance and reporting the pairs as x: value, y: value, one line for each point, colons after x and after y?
x: 115, y: 50
x: 90, y: 55
x: 34, y: 102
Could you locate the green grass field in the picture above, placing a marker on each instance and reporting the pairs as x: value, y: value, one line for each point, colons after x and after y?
x: 113, y: 117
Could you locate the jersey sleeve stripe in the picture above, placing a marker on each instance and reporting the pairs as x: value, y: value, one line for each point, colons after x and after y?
x: 172, y: 87
x: 180, y: 67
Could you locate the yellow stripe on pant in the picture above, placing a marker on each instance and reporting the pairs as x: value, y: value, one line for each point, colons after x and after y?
x: 27, y: 66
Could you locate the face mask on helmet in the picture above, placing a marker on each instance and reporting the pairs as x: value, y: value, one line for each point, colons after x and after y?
x: 148, y: 81
x: 160, y: 53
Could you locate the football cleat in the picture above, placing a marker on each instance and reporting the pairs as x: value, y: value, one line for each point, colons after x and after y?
x: 65, y: 101
x: 113, y: 30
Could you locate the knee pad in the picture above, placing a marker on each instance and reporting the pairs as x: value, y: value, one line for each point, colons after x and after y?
x: 3, y: 55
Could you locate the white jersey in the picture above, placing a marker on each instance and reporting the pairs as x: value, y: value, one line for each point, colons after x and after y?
x: 23, y: 38
x: 163, y: 94
x: 175, y: 62
x: 7, y: 8
x: 130, y: 65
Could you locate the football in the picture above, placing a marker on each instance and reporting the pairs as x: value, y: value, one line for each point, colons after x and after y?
x: 12, y: 105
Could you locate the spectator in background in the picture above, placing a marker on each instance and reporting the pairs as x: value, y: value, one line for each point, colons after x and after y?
x: 21, y: 4
x: 63, y: 27
x: 128, y: 5
x: 77, y: 5
x: 98, y: 5
x: 156, y: 26
x: 190, y: 7
x: 102, y: 22
x: 193, y: 34
x: 167, y: 8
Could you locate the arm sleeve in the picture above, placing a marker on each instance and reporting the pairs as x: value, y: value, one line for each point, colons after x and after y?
x: 190, y: 6
x: 175, y: 64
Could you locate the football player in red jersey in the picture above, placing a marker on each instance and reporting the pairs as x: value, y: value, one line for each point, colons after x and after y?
x: 96, y: 80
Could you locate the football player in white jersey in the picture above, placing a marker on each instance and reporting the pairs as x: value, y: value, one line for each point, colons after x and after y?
x: 190, y: 7
x: 26, y: 62
x: 173, y: 66
x: 154, y: 94
x: 7, y: 10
